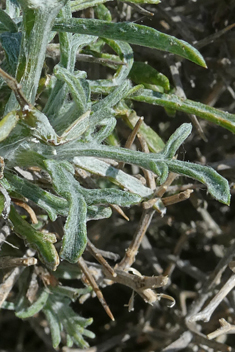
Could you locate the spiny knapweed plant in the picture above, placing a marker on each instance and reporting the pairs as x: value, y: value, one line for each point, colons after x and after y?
x: 53, y: 125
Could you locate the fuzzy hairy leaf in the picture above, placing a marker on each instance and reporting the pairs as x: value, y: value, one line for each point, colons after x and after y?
x: 61, y: 316
x: 158, y: 163
x: 7, y: 22
x: 75, y: 234
x: 36, y: 307
x: 7, y: 124
x: 75, y: 238
x: 142, y: 73
x: 51, y: 203
x: 133, y: 34
x: 221, y: 118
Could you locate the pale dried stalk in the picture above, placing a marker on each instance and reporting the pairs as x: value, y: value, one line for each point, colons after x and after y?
x: 181, y: 343
x: 132, y: 251
x: 213, y: 280
x: 225, y: 328
x: 177, y: 250
x: 11, y: 262
x: 149, y: 176
x: 29, y: 210
x: 143, y: 285
x: 176, y: 198
x: 206, y: 313
x: 119, y: 211
x: 6, y: 286
x: 163, y: 188
x: 90, y: 278
x: 93, y: 250
x: 131, y: 139
x: 144, y: 223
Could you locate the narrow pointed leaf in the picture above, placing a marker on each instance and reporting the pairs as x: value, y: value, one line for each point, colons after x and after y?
x: 35, y: 307
x: 51, y: 203
x: 54, y: 325
x: 7, y: 124
x: 7, y: 22
x: 133, y: 34
x: 176, y: 139
x: 142, y: 73
x: 217, y: 186
x: 75, y: 237
x: 219, y: 117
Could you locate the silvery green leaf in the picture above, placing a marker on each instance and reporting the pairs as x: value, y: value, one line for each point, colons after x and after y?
x: 173, y: 102
x: 133, y: 34
x: 7, y: 22
x: 117, y: 176
x: 11, y: 45
x: 36, y: 307
x: 51, y: 203
x: 79, y: 88
x: 62, y: 317
x: 75, y: 237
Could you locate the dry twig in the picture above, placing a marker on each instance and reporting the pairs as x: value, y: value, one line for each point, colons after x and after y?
x: 6, y: 286
x: 206, y: 313
x: 91, y: 280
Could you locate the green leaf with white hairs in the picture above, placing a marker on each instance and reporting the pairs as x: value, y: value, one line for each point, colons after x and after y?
x: 75, y: 233
x: 142, y: 73
x: 79, y: 88
x: 36, y: 307
x: 62, y: 317
x: 221, y: 118
x: 51, y: 203
x: 217, y: 186
x: 54, y: 325
x: 7, y: 22
x: 132, y: 33
x: 176, y: 139
x: 7, y: 124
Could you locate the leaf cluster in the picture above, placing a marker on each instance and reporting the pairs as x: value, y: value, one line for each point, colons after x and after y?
x: 53, y: 125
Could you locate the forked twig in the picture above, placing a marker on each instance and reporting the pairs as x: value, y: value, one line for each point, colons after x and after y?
x: 225, y: 328
x: 206, y: 313
x: 90, y: 278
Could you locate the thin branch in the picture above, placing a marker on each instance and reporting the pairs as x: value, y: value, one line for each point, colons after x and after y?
x: 130, y: 139
x: 225, y: 328
x: 132, y: 251
x: 211, y: 38
x: 206, y: 313
x: 212, y: 281
x: 11, y: 262
x: 93, y: 250
x: 95, y: 287
x: 177, y: 198
x: 6, y: 286
x: 181, y: 343
x: 143, y: 285
x: 16, y: 88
